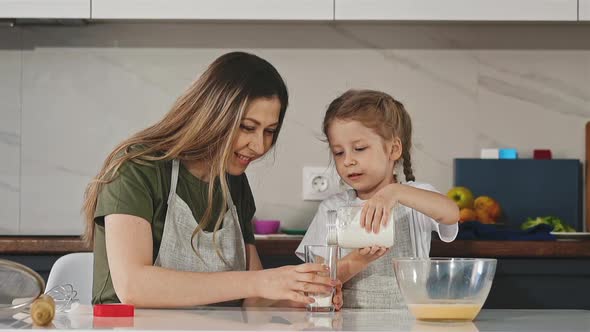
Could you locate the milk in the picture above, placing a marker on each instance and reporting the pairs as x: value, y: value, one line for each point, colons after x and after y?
x: 347, y: 232
x: 322, y: 302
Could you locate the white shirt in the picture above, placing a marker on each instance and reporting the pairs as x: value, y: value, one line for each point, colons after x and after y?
x: 422, y: 226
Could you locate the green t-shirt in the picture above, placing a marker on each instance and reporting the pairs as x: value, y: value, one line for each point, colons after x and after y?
x: 142, y: 191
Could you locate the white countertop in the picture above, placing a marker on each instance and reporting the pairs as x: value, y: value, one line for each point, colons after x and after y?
x: 237, y: 319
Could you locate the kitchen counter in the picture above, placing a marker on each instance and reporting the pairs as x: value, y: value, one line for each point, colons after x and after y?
x: 286, y: 245
x: 41, y: 245
x: 257, y: 319
x: 529, y: 274
x: 465, y: 248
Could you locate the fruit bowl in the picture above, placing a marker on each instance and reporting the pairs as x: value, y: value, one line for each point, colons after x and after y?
x: 266, y: 226
x: 444, y: 289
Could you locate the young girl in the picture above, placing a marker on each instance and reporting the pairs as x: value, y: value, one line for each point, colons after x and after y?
x: 369, y: 134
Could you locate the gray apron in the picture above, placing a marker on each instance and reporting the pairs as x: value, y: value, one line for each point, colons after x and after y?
x: 376, y: 286
x: 176, y: 252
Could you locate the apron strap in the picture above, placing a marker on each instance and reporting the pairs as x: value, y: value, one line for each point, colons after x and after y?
x: 230, y: 201
x: 173, y: 180
x: 413, y: 235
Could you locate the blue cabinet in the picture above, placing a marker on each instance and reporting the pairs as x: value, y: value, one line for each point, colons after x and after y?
x: 526, y: 187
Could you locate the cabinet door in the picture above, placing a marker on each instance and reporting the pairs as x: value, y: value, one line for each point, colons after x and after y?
x: 45, y: 9
x: 457, y: 10
x: 584, y: 10
x: 214, y: 9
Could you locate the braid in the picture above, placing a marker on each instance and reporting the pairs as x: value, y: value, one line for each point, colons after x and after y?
x: 407, y: 165
x: 405, y: 133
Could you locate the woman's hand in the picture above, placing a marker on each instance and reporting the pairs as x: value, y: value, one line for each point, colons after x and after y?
x: 377, y: 210
x: 289, y: 282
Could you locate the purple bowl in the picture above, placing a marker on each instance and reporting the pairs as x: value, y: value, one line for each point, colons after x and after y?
x: 266, y: 226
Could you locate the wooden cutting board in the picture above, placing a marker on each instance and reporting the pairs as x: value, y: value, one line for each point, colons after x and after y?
x: 587, y: 177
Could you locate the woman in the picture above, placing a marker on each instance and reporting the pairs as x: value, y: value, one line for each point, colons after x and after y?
x: 170, y: 210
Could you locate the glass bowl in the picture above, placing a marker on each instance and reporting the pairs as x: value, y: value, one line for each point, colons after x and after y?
x: 439, y: 289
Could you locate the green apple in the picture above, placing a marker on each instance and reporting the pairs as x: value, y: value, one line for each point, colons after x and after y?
x: 462, y: 196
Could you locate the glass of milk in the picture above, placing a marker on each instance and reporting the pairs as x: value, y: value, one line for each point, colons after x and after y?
x: 327, y: 255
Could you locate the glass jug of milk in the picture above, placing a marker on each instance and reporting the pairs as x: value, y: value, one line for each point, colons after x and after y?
x: 344, y: 229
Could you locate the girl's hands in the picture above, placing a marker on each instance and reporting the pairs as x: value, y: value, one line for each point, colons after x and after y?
x: 377, y: 210
x: 372, y: 253
x: 337, y: 298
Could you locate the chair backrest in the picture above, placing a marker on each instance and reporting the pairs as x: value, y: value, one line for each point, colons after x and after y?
x: 75, y: 269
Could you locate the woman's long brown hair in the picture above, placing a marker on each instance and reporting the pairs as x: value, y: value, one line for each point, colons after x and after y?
x: 201, y: 126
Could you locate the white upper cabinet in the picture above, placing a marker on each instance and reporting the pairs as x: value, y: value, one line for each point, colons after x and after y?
x: 214, y: 9
x: 584, y: 10
x: 457, y: 10
x: 78, y: 9
x: 304, y: 10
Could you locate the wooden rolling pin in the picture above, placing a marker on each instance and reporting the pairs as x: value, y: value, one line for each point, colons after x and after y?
x: 43, y: 310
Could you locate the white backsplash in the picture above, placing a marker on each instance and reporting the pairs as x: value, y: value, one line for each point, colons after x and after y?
x: 69, y: 94
x: 10, y: 106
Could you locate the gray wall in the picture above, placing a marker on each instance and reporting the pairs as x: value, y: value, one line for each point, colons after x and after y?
x: 70, y: 93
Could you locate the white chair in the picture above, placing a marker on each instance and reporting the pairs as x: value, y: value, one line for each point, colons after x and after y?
x: 74, y: 269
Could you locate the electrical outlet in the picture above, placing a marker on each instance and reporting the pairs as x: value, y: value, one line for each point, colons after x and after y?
x: 319, y: 183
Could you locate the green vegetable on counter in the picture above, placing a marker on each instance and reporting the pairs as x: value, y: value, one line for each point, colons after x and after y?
x: 558, y: 225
